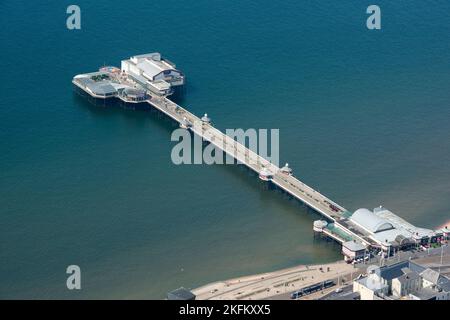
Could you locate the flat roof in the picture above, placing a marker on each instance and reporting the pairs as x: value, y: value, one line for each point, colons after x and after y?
x: 160, y: 85
x: 401, y: 223
x: 389, y: 235
x: 372, y: 282
x: 153, y: 55
x: 354, y: 245
x: 348, y: 296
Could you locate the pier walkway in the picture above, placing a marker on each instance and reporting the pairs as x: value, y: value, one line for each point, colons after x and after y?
x: 289, y: 183
x: 113, y: 84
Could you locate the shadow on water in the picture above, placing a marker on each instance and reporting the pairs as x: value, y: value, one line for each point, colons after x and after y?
x: 145, y: 112
x: 115, y: 108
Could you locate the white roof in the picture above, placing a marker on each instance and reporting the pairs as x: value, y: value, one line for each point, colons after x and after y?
x: 444, y: 230
x: 160, y: 85
x: 370, y: 221
x: 119, y: 86
x: 354, y: 245
x: 151, y: 65
x: 149, y: 68
x: 153, y: 55
x: 373, y: 282
x: 401, y: 223
x: 389, y: 235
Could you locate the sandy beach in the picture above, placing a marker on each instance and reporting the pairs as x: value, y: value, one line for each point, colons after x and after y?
x: 277, y: 284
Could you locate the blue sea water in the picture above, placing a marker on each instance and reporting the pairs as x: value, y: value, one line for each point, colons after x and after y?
x: 363, y: 117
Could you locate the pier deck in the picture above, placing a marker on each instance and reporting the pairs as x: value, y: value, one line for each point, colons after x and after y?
x: 288, y: 183
x: 109, y: 84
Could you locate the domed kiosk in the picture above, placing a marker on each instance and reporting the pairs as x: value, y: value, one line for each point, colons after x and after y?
x: 286, y: 169
x: 206, y: 119
x: 133, y: 95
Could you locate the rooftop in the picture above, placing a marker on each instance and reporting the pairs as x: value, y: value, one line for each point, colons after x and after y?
x: 161, y: 84
x: 373, y: 282
x: 387, y: 228
x: 430, y: 275
x: 402, y: 224
x: 398, y: 269
x: 348, y: 296
x: 101, y: 88
x: 370, y: 221
x: 354, y: 245
x: 424, y: 294
x: 151, y: 64
x: 408, y: 276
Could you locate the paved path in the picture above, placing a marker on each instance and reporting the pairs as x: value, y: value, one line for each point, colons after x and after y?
x: 274, y: 284
x: 257, y: 163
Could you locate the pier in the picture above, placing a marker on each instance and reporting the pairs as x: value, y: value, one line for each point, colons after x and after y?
x: 287, y: 182
x: 150, y: 79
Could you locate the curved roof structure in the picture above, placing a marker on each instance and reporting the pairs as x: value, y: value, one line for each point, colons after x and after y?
x: 400, y: 223
x: 286, y: 169
x: 101, y: 88
x: 402, y: 240
x: 370, y: 221
x: 132, y: 92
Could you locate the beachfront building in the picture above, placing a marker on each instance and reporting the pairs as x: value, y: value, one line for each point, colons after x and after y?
x: 371, y: 287
x: 407, y: 283
x: 353, y: 250
x: 153, y: 73
x: 444, y: 233
x: 404, y: 280
x: 390, y: 232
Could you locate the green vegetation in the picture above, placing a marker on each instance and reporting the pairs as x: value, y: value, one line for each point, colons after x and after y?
x: 100, y: 77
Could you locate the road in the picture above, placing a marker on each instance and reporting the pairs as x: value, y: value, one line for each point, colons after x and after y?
x: 277, y: 284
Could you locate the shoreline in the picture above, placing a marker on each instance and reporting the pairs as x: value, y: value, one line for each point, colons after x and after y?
x: 277, y: 283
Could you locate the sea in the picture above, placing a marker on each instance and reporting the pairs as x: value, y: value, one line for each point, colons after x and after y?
x: 363, y: 117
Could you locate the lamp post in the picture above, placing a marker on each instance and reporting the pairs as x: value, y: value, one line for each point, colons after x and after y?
x: 442, y: 255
